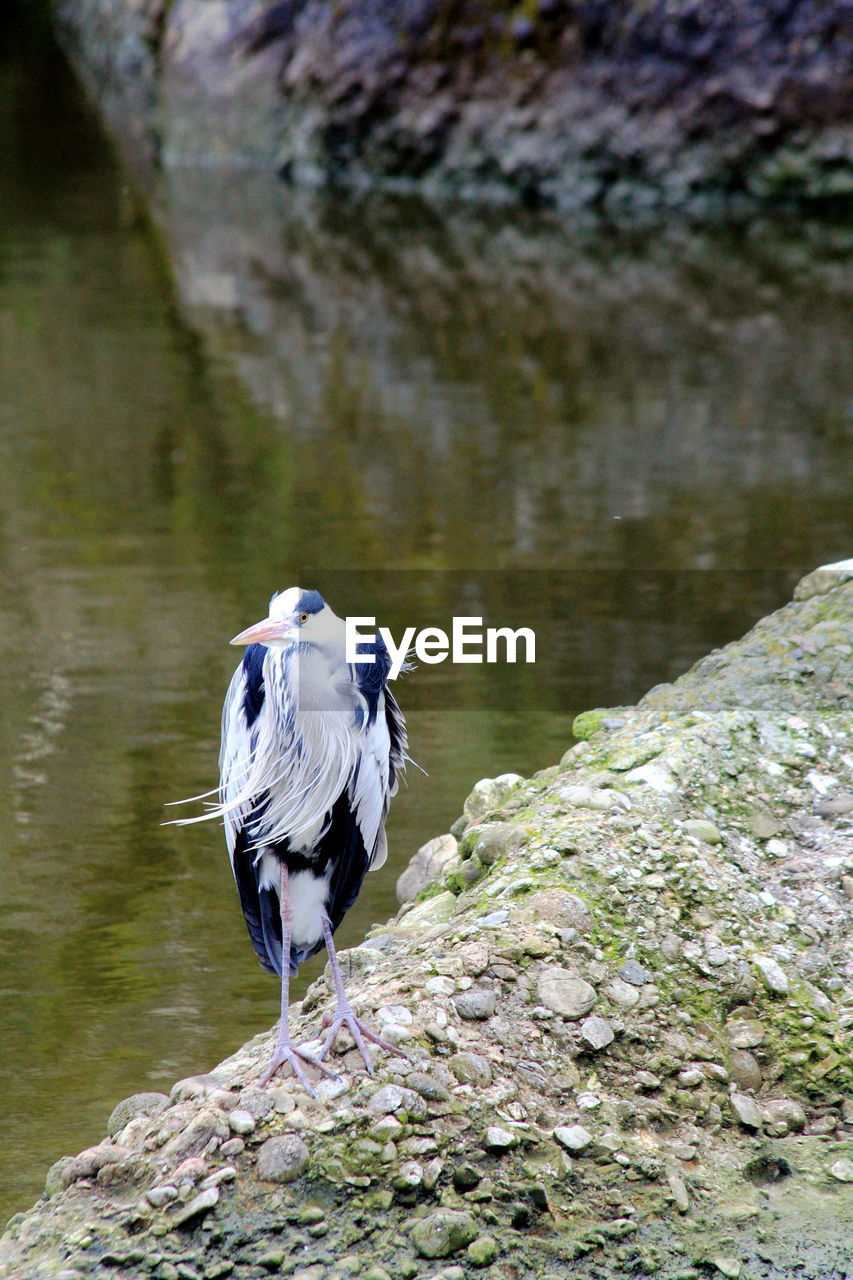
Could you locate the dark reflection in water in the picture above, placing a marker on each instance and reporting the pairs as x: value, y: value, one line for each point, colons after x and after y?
x: 632, y: 445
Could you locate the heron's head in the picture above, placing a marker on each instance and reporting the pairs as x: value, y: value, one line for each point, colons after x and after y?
x: 295, y: 617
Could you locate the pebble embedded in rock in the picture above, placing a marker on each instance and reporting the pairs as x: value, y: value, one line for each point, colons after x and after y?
x: 427, y: 866
x: 678, y: 1187
x: 441, y: 986
x: 783, y: 1115
x: 158, y: 1196
x: 409, y: 1177
x: 702, y: 829
x: 746, y: 1110
x: 89, y: 1163
x: 202, y: 1203
x: 436, y: 910
x: 564, y: 992
x: 744, y: 1069
x: 470, y: 1068
x: 466, y: 1176
x: 240, y: 1121
x: 440, y: 1234
x: 138, y: 1104
x: 477, y: 1004
x: 482, y: 1251
x: 597, y: 1033
x: 745, y: 1033
x: 633, y: 972
x: 773, y: 974
x: 573, y: 1137
x: 623, y: 993
x: 498, y: 1139
x: 427, y: 1086
x: 391, y: 1098
x: 496, y: 840
x: 282, y: 1159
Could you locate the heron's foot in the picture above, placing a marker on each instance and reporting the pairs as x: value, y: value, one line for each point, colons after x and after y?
x: 360, y: 1032
x: 286, y: 1053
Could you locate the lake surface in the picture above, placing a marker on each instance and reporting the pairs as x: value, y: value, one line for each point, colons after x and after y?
x: 634, y: 444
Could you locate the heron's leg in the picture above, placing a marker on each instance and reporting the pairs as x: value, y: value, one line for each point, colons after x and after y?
x: 285, y: 1050
x: 344, y: 1016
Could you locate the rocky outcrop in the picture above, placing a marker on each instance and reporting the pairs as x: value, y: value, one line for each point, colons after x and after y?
x: 616, y: 107
x: 624, y: 1008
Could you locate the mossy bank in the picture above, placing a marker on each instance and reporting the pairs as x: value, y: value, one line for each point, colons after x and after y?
x: 622, y: 1002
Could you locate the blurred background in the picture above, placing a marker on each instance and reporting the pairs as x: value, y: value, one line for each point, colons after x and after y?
x: 633, y: 441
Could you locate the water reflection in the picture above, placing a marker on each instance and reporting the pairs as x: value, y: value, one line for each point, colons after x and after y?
x: 633, y: 445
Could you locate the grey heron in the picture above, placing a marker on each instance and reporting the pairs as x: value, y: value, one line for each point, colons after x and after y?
x: 312, y: 751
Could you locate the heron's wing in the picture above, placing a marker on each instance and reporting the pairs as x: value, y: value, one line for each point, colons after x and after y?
x: 398, y: 741
x: 240, y: 715
x: 260, y: 905
x: 382, y: 753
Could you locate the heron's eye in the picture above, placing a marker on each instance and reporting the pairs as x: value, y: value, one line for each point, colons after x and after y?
x: 303, y: 617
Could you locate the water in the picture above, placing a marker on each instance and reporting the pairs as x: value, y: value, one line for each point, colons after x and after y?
x: 633, y: 444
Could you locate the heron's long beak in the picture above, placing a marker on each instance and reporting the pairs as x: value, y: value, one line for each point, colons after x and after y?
x: 263, y: 632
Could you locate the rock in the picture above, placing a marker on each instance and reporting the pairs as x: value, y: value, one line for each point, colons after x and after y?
x: 745, y: 1033
x: 783, y: 1115
x: 436, y: 910
x: 441, y: 986
x: 497, y: 840
x: 190, y: 1170
x: 729, y: 1267
x: 391, y: 1098
x: 764, y: 826
x: 622, y: 993
x: 499, y: 1140
x: 596, y: 1033
x: 241, y: 1121
x: 200, y: 1086
x: 703, y: 830
x: 772, y: 974
x: 633, y: 973
x: 409, y: 1176
x: 678, y: 1187
x: 160, y: 1195
x: 200, y: 1204
x: 442, y: 1233
x: 282, y: 1159
x: 488, y: 794
x: 470, y: 1068
x: 138, y: 1104
x: 565, y: 992
x: 842, y: 1169
x: 426, y: 867
x: 601, y: 798
x: 744, y: 1069
x: 482, y: 1251
x: 466, y: 1176
x: 206, y: 1124
x: 427, y: 1086
x: 746, y: 1111
x: 89, y: 1163
x: 561, y: 908
x: 573, y: 1138
x: 476, y: 1004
